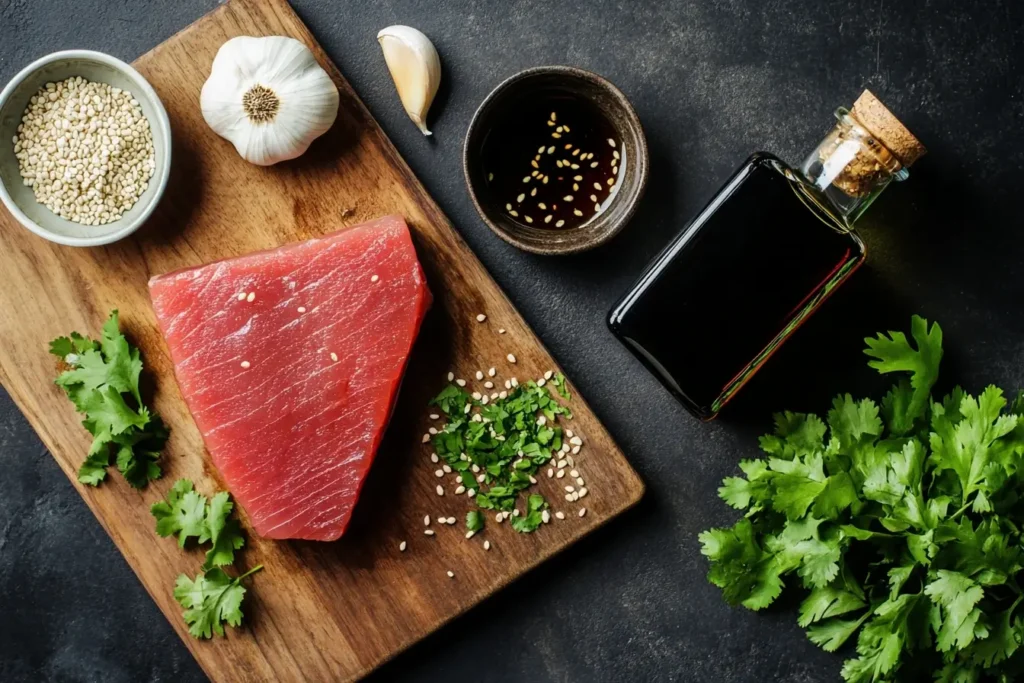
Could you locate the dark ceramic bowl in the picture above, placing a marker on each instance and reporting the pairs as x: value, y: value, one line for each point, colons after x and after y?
x: 615, y: 108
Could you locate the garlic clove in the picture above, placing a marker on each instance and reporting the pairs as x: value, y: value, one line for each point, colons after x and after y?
x: 415, y: 68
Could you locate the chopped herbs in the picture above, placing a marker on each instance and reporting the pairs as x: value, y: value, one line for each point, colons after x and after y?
x: 211, y: 600
x: 103, y: 383
x: 497, y: 444
x: 474, y: 520
x: 903, y: 522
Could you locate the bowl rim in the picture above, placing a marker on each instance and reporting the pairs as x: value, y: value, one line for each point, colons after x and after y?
x: 573, y: 72
x: 162, y: 120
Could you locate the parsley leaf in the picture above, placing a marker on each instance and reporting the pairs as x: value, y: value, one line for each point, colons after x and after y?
x: 223, y: 532
x: 102, y: 381
x: 211, y: 600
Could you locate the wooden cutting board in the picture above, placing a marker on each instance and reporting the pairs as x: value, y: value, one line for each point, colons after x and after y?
x: 319, y: 611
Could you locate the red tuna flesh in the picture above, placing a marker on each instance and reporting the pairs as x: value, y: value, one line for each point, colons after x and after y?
x: 290, y: 361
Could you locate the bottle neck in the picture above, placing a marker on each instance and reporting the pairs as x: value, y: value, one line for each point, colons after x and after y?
x: 851, y: 167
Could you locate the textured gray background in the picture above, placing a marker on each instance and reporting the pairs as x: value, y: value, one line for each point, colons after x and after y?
x: 712, y: 80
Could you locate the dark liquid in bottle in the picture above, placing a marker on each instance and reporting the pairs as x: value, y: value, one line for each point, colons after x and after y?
x: 552, y: 161
x: 734, y: 284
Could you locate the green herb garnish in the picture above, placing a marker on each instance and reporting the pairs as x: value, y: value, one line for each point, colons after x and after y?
x: 506, y: 440
x: 211, y: 600
x: 103, y: 383
x: 187, y: 513
x: 474, y: 520
x: 903, y: 521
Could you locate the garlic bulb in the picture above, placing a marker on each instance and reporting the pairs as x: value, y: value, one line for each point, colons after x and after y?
x: 415, y: 68
x: 268, y: 97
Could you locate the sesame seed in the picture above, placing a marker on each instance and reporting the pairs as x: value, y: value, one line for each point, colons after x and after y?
x: 545, y: 516
x: 334, y: 356
x: 568, y: 497
x: 542, y: 205
x: 491, y: 372
x: 488, y: 384
x: 553, y: 117
x: 466, y: 409
x: 245, y: 364
x: 535, y: 174
x: 533, y: 192
x: 515, y: 513
x: 503, y: 394
x: 515, y: 382
x: 559, y: 129
x: 567, y: 197
x: 568, y: 433
x: 501, y: 330
x: 428, y: 532
x: 435, y: 416
x: 547, y: 219
x: 470, y: 534
x: 528, y: 219
x: 479, y: 374
x: 560, y: 474
x: 559, y: 224
x: 575, y: 450
x: 434, y: 458
x: 460, y: 490
x: 450, y: 520
x: 615, y: 154
x: 597, y: 208
x: 555, y: 135
x: 575, y: 152
x: 484, y: 400
x: 499, y: 518
x: 574, y: 166
x: 451, y: 376
x: 551, y: 149
x: 490, y: 176
x: 575, y: 187
x: 401, y: 547
x: 440, y: 490
x: 451, y: 574
x: 508, y: 384
x: 541, y: 150
x: 611, y: 181
x: 615, y: 170
x: 583, y: 492
x: 511, y: 358
x: 545, y: 180
x: 569, y: 489
x: 241, y: 296
x: 577, y: 212
x: 566, y: 128
x: 439, y: 473
x: 597, y: 186
x: 520, y: 198
x: 514, y: 214
x: 251, y: 297
x: 476, y: 395
x: 374, y: 278
x: 574, y: 473
x: 487, y: 545
x: 526, y: 179
x: 551, y: 123
x: 593, y: 165
x: 541, y: 382
x: 575, y: 496
x: 432, y: 431
x: 583, y: 511
x: 461, y: 382
x: 612, y: 143
x: 426, y: 438
x: 302, y: 309
x: 579, y: 481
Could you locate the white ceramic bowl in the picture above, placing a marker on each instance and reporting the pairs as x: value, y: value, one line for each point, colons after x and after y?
x: 19, y: 199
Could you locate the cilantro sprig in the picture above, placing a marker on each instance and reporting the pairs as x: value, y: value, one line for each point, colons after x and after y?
x: 213, y: 598
x: 903, y: 522
x: 507, y: 443
x: 102, y: 381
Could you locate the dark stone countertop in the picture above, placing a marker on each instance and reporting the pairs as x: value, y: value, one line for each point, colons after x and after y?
x: 712, y: 81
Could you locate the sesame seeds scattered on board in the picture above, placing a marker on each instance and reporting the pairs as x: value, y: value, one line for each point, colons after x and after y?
x: 501, y: 330
x: 481, y: 317
x: 487, y: 545
x: 440, y: 490
x: 428, y: 532
x: 451, y: 376
x: 612, y: 143
x: 583, y: 511
x: 559, y: 515
x: 510, y: 358
x: 451, y: 574
x: 461, y: 382
x: 401, y: 547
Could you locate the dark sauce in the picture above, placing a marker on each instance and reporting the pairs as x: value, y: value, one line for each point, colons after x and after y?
x: 734, y: 284
x: 552, y: 161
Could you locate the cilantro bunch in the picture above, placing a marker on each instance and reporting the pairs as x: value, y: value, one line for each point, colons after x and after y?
x: 506, y: 442
x: 902, y: 520
x: 103, y: 383
x: 214, y: 597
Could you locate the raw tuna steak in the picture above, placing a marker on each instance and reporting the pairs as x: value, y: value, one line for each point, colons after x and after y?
x: 290, y: 361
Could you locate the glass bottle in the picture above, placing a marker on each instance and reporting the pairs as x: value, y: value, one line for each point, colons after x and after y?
x: 762, y: 256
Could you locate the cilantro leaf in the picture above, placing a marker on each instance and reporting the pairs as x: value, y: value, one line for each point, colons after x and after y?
x: 103, y: 383
x: 957, y: 596
x: 223, y: 532
x: 895, y: 354
x: 474, y: 520
x: 211, y: 600
x: 182, y: 513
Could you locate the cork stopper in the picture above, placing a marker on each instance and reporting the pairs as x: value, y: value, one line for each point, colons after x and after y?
x: 881, y: 123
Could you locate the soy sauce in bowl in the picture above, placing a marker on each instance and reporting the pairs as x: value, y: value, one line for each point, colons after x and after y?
x: 553, y: 162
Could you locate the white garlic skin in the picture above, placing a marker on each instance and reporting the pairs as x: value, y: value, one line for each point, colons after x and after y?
x: 307, y: 97
x: 415, y: 67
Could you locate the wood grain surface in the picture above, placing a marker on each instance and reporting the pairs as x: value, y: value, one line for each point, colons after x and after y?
x: 318, y: 611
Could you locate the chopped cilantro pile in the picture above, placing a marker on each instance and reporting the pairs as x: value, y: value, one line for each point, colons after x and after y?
x: 103, y: 383
x: 903, y: 521
x: 213, y: 597
x: 506, y: 441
